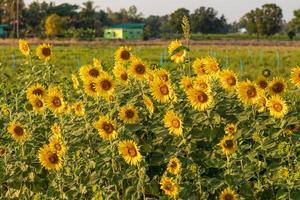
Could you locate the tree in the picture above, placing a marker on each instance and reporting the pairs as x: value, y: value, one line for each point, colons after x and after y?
x: 294, y: 24
x: 264, y: 21
x: 272, y: 19
x: 205, y: 20
x: 12, y: 12
x: 54, y: 25
x: 152, y: 27
x: 176, y: 17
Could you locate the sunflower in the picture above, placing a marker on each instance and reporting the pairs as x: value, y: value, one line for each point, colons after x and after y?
x: 291, y: 128
x: 199, y: 66
x: 17, y: 131
x: 169, y: 187
x: 148, y: 103
x: 150, y: 75
x: 261, y: 103
x: 67, y: 109
x: 248, y: 92
x: 2, y: 151
x: 228, y: 144
x: 228, y: 194
x: 138, y: 69
x: 38, y: 104
x: 277, y: 106
x: 173, y: 123
x: 44, y: 52
x: 49, y: 159
x: 162, y: 74
x: 174, y: 166
x: 120, y: 74
x: 295, y: 76
x: 56, y: 130
x: 5, y: 110
x: 200, y: 99
x: 106, y: 128
x: 89, y: 72
x: 129, y: 114
x: 123, y: 54
x: 228, y: 80
x: 162, y: 91
x: 97, y: 63
x: 75, y: 81
x: 202, y: 83
x: 277, y: 86
x: 262, y: 82
x: 130, y: 152
x: 24, y: 48
x: 55, y: 101
x: 104, y: 85
x: 79, y: 109
x: 36, y: 90
x: 186, y: 83
x: 90, y: 88
x: 56, y: 145
x: 230, y: 129
x: 211, y: 65
x: 179, y: 56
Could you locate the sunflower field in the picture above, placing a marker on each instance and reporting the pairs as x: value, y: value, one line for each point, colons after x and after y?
x: 134, y: 130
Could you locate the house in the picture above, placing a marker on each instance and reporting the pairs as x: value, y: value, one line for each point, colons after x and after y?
x: 3, y: 30
x: 125, y: 32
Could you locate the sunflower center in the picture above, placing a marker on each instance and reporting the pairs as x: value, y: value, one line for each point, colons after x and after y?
x: 105, y: 84
x: 46, y: 51
x: 92, y: 87
x: 180, y: 53
x: 53, y: 158
x: 57, y: 147
x: 2, y: 151
x: 38, y: 91
x: 165, y: 77
x: 56, y: 101
x: 231, y: 81
x: 278, y: 107
x: 251, y: 92
x: 140, y: 69
x: 263, y: 84
x: 292, y: 127
x: 202, y: 97
x: 19, y: 130
x: 108, y: 127
x: 175, y: 123
x: 125, y: 55
x: 203, y: 85
x: 230, y: 129
x: 124, y: 76
x: 277, y: 87
x: 228, y: 144
x: 94, y: 73
x: 132, y: 151
x: 39, y: 103
x: 173, y: 165
x: 228, y: 197
x: 129, y: 114
x: 169, y: 187
x: 164, y: 90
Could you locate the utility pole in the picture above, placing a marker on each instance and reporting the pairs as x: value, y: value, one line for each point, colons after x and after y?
x: 18, y: 28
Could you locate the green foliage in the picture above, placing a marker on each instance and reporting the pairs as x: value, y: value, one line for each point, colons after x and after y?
x: 81, y: 34
x: 176, y: 17
x: 264, y: 21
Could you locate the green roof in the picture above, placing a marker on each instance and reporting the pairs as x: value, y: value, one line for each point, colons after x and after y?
x: 128, y: 26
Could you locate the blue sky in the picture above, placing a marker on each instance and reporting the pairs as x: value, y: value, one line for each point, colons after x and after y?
x: 232, y: 9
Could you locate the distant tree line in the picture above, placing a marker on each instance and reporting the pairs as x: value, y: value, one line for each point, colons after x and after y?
x: 42, y: 19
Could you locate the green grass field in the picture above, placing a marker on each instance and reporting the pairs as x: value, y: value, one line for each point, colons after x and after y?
x: 248, y: 61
